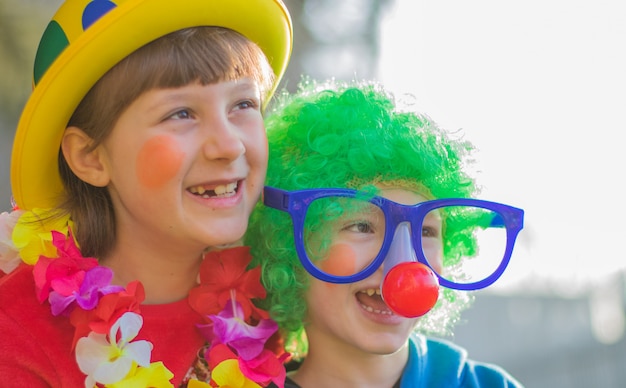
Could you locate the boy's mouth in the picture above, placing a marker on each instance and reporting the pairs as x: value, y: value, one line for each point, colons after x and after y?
x: 370, y: 299
x: 219, y: 191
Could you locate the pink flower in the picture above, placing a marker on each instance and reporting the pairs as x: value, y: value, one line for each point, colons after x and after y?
x: 263, y: 369
x: 64, y: 274
x: 71, y: 278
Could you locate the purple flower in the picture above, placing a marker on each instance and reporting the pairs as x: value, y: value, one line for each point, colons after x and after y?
x: 246, y: 340
x: 96, y: 283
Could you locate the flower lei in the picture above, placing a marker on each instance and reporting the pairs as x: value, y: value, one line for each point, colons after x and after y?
x: 244, y: 348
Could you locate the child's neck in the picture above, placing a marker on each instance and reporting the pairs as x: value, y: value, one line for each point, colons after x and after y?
x: 350, y: 369
x: 166, y: 278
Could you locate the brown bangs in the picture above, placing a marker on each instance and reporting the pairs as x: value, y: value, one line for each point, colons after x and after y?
x: 199, y: 54
x: 204, y: 54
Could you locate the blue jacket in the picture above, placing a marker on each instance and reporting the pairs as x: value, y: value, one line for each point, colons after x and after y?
x: 439, y: 363
x: 435, y: 363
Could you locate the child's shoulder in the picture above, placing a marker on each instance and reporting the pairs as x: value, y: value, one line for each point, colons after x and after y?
x: 18, y: 282
x: 439, y: 362
x: 18, y: 302
x: 18, y: 298
x: 34, y: 343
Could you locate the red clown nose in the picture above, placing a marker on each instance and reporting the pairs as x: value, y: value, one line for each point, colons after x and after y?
x: 409, y: 287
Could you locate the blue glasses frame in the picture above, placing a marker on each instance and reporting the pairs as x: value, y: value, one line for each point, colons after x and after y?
x: 296, y: 203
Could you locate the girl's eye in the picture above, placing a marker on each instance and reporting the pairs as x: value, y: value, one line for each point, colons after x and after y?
x: 182, y: 114
x: 247, y: 104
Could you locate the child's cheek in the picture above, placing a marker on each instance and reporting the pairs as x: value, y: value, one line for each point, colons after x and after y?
x: 341, y: 261
x: 158, y: 162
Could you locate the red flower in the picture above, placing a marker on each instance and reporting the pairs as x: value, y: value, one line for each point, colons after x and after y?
x: 109, y: 309
x: 223, y: 275
x: 219, y: 353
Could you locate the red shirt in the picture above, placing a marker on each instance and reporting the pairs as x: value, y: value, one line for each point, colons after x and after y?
x: 35, y: 346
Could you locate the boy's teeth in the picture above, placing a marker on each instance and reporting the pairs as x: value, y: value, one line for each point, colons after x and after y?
x: 372, y: 291
x: 371, y: 310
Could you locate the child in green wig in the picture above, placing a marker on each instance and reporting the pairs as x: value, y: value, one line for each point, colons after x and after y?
x: 348, y: 282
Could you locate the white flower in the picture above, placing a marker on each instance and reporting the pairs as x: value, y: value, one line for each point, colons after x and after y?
x: 9, y: 255
x: 108, y: 359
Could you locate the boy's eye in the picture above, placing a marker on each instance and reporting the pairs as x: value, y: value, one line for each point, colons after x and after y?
x: 359, y: 227
x: 429, y: 231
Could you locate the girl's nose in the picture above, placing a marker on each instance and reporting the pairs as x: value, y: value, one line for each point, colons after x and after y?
x: 222, y: 140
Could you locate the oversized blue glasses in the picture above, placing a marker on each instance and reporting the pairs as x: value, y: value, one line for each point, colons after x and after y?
x: 359, y: 228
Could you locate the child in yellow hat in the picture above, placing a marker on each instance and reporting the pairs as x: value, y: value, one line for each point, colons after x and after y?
x: 141, y: 147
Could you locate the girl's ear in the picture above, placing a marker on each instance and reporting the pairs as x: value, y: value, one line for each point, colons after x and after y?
x: 86, y: 163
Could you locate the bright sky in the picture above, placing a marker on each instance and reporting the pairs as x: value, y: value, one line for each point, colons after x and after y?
x: 540, y: 88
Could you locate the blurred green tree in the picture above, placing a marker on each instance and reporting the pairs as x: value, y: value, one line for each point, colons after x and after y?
x: 21, y: 25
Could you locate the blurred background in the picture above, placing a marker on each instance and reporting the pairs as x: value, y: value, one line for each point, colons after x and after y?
x: 540, y: 88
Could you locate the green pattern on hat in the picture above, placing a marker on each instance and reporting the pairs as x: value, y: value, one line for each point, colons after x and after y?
x: 52, y: 43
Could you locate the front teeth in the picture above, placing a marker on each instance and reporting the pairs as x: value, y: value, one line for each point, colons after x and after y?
x: 219, y: 191
x: 371, y: 291
x: 223, y: 189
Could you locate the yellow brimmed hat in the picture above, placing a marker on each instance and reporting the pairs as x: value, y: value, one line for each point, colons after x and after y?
x: 86, y: 38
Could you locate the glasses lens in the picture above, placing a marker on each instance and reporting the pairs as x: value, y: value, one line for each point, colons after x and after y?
x: 474, y: 243
x: 343, y: 235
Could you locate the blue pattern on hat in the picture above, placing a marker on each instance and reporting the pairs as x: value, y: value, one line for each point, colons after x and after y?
x: 95, y: 10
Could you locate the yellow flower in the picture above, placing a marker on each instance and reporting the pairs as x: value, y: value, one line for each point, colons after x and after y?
x: 197, y: 384
x: 32, y: 234
x: 155, y: 376
x: 228, y: 375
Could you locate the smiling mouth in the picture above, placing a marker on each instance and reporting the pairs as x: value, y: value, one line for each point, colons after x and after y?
x: 372, y: 301
x: 219, y: 191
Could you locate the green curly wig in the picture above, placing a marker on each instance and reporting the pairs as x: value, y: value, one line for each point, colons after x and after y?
x: 353, y: 135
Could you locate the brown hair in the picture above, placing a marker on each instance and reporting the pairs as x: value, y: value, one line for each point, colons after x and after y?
x: 204, y: 54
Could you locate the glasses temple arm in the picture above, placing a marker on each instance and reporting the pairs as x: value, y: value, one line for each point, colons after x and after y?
x: 276, y: 198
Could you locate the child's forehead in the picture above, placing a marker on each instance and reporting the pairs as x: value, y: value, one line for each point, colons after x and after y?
x: 395, y: 185
x: 402, y: 195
